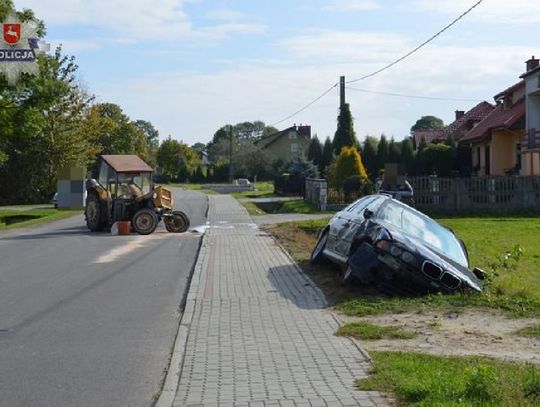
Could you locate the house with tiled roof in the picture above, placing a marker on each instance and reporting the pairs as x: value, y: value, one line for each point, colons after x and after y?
x: 464, y: 121
x: 530, y: 152
x: 495, y: 142
x: 288, y: 143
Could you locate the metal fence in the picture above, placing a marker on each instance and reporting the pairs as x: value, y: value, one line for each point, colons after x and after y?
x: 478, y: 194
x: 448, y: 195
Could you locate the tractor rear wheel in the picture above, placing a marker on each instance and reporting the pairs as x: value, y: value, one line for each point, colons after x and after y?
x: 145, y: 221
x: 93, y: 213
x: 177, y: 222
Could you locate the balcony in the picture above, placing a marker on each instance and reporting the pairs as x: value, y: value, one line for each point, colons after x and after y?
x: 533, y: 139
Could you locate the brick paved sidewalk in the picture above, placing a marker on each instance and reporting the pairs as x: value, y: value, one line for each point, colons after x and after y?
x: 258, y: 331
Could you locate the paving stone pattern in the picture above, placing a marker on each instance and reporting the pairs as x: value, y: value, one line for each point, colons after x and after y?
x: 259, y: 333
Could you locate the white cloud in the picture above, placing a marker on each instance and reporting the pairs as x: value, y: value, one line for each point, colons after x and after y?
x: 352, y: 5
x: 191, y: 106
x: 134, y: 19
x: 339, y: 46
x: 490, y: 11
x: 76, y: 46
x: 224, y: 14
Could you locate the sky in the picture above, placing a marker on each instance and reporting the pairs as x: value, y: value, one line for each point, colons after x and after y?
x: 192, y: 66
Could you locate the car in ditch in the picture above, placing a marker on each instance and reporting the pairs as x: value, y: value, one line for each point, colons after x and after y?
x: 381, y: 241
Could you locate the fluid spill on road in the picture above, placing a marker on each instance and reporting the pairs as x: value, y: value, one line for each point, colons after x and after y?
x: 222, y: 225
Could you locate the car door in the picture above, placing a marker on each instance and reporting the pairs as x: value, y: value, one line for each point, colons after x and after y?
x: 351, y: 221
x: 338, y: 225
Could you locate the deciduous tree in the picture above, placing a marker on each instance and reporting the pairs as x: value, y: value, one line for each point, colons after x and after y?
x: 428, y: 123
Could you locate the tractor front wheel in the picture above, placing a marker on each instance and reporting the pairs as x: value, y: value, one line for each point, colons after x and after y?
x: 93, y: 213
x: 145, y: 221
x: 177, y: 222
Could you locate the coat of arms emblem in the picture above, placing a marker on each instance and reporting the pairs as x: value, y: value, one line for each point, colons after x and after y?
x: 12, y: 33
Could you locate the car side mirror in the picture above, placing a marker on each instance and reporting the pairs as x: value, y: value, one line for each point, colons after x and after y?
x: 368, y: 214
x: 479, y: 273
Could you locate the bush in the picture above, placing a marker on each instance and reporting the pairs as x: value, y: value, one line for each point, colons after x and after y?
x: 356, y: 185
x: 293, y: 176
x: 347, y: 164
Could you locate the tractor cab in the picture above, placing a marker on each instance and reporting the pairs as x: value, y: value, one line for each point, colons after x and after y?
x: 124, y: 191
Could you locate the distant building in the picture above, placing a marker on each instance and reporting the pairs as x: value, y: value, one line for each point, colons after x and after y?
x: 530, y: 149
x: 205, y: 162
x: 463, y: 122
x: 496, y: 141
x: 288, y: 143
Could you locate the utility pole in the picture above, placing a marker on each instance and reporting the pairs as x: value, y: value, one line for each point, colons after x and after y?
x: 341, y: 91
x: 231, y: 173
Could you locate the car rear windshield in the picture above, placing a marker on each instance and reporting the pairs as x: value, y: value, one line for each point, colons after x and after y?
x: 424, y: 229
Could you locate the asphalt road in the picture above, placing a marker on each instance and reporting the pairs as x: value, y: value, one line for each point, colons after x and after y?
x: 89, y: 319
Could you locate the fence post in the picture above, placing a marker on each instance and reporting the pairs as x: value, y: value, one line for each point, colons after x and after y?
x: 323, y: 195
x: 458, y: 189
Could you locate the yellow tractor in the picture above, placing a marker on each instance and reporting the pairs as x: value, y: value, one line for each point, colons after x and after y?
x: 124, y: 191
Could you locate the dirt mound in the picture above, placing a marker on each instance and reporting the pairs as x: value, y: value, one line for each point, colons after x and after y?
x: 453, y: 333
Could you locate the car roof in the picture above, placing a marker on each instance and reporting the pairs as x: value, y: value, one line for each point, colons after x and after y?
x: 127, y: 163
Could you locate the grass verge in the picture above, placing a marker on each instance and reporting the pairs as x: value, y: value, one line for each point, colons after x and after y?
x: 365, y: 330
x: 533, y: 331
x: 426, y: 380
x: 292, y: 206
x: 25, y: 218
x: 193, y: 187
x: 262, y: 190
x: 515, y: 291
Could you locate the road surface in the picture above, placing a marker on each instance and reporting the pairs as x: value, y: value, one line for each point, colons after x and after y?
x: 89, y: 319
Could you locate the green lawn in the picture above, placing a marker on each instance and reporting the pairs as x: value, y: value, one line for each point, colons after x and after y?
x: 292, y: 206
x: 515, y: 291
x: 23, y: 218
x: 365, y: 330
x: 533, y: 331
x: 262, y: 190
x: 424, y: 380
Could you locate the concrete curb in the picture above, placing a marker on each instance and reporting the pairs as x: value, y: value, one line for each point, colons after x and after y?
x: 170, y: 385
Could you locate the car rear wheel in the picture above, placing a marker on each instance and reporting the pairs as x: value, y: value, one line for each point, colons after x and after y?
x: 178, y: 222
x: 145, y: 221
x: 317, y: 255
x: 93, y: 213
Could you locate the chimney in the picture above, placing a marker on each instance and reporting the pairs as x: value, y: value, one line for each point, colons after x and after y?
x: 304, y: 131
x: 532, y: 63
x: 459, y: 114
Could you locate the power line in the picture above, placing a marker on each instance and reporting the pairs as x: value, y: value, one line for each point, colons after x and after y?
x: 412, y: 96
x: 420, y: 46
x: 326, y: 92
